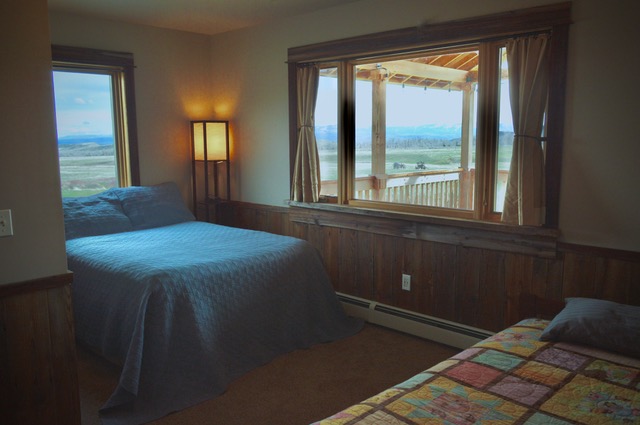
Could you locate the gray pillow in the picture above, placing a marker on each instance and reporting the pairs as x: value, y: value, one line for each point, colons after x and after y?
x: 154, y: 206
x: 598, y: 323
x: 94, y: 215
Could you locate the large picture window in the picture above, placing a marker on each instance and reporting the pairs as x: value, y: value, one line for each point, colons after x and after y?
x: 426, y: 124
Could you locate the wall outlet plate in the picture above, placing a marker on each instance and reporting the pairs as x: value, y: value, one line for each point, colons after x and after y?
x: 406, y: 282
x: 6, y: 226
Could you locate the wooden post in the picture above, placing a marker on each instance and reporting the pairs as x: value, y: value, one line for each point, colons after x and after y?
x: 379, y: 130
x: 466, y: 149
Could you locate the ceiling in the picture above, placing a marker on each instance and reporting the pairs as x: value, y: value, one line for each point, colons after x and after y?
x: 198, y: 16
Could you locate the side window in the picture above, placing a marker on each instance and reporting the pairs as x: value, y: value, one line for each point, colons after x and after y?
x: 326, y: 120
x: 95, y: 116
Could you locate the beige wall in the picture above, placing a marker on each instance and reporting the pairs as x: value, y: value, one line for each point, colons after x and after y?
x: 29, y: 178
x: 246, y: 82
x: 600, y: 202
x: 600, y: 198
x: 172, y: 87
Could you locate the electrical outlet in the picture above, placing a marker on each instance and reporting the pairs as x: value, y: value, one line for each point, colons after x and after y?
x: 6, y: 227
x: 406, y: 282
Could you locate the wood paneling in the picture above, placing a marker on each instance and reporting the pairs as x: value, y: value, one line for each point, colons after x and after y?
x: 38, y: 370
x: 475, y: 275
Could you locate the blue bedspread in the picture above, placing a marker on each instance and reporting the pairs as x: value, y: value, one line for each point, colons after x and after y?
x: 189, y: 307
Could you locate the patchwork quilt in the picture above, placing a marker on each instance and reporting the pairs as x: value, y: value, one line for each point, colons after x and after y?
x: 511, y: 378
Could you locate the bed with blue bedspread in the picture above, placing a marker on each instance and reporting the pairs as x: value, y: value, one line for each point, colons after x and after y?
x: 183, y: 306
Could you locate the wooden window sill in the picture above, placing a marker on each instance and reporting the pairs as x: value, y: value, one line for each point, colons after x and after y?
x: 537, y: 241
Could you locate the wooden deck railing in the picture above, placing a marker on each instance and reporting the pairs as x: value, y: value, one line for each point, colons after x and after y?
x: 446, y: 189
x: 429, y: 188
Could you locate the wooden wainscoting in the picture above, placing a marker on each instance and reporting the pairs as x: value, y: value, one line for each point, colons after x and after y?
x: 464, y: 273
x: 38, y: 364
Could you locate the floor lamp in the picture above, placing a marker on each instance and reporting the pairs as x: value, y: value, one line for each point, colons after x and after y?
x: 210, y: 148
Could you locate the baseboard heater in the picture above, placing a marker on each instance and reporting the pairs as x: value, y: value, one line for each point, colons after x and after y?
x: 428, y: 327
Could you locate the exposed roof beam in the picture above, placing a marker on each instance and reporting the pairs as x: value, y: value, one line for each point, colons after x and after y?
x: 406, y: 67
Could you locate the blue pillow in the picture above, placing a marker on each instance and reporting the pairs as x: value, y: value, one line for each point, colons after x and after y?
x: 598, y: 323
x: 154, y: 206
x: 94, y: 215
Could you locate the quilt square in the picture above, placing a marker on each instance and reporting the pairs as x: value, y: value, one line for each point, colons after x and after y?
x: 381, y: 417
x: 534, y: 323
x: 561, y: 358
x: 587, y: 400
x: 443, y: 401
x: 443, y: 365
x: 611, y: 372
x: 600, y: 354
x: 473, y: 374
x: 516, y: 340
x: 520, y: 390
x: 542, y: 373
x: 383, y: 396
x: 542, y: 419
x: 498, y: 359
x: 418, y: 379
x: 346, y: 415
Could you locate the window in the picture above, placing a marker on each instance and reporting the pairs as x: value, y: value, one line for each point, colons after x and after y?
x: 95, y: 115
x: 424, y: 124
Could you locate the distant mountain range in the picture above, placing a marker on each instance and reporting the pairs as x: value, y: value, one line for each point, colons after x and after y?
x: 363, y: 135
x: 437, y: 133
x: 88, y: 138
x: 88, y: 145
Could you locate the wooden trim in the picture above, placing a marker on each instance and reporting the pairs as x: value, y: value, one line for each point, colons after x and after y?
x: 347, y: 137
x: 40, y: 284
x: 443, y: 221
x: 293, y: 120
x: 431, y: 35
x: 453, y: 277
x: 487, y: 129
x: 533, y: 241
x: 132, y: 126
x: 555, y: 127
x: 75, y: 55
x: 37, y: 353
x: 617, y: 254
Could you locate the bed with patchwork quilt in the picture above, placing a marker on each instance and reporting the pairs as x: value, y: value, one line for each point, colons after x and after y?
x: 582, y: 367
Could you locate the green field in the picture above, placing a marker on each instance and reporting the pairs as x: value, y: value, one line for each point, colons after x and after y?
x: 86, y: 175
x: 444, y: 158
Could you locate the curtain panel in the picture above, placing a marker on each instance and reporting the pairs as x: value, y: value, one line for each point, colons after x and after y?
x: 306, y: 173
x: 528, y: 87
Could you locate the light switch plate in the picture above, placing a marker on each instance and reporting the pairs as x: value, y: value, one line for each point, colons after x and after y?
x: 6, y: 226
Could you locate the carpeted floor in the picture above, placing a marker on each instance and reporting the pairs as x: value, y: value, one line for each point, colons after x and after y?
x: 296, y: 388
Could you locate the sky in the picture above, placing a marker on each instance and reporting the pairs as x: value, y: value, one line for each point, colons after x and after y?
x: 83, y: 104
x: 406, y: 106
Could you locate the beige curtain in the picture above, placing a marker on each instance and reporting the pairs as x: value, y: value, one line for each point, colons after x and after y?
x: 306, y: 172
x: 524, y: 202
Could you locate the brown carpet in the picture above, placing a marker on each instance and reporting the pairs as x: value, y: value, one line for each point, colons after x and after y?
x: 296, y: 388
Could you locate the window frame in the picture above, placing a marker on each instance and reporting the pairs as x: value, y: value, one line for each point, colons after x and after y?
x: 121, y: 68
x: 554, y: 18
